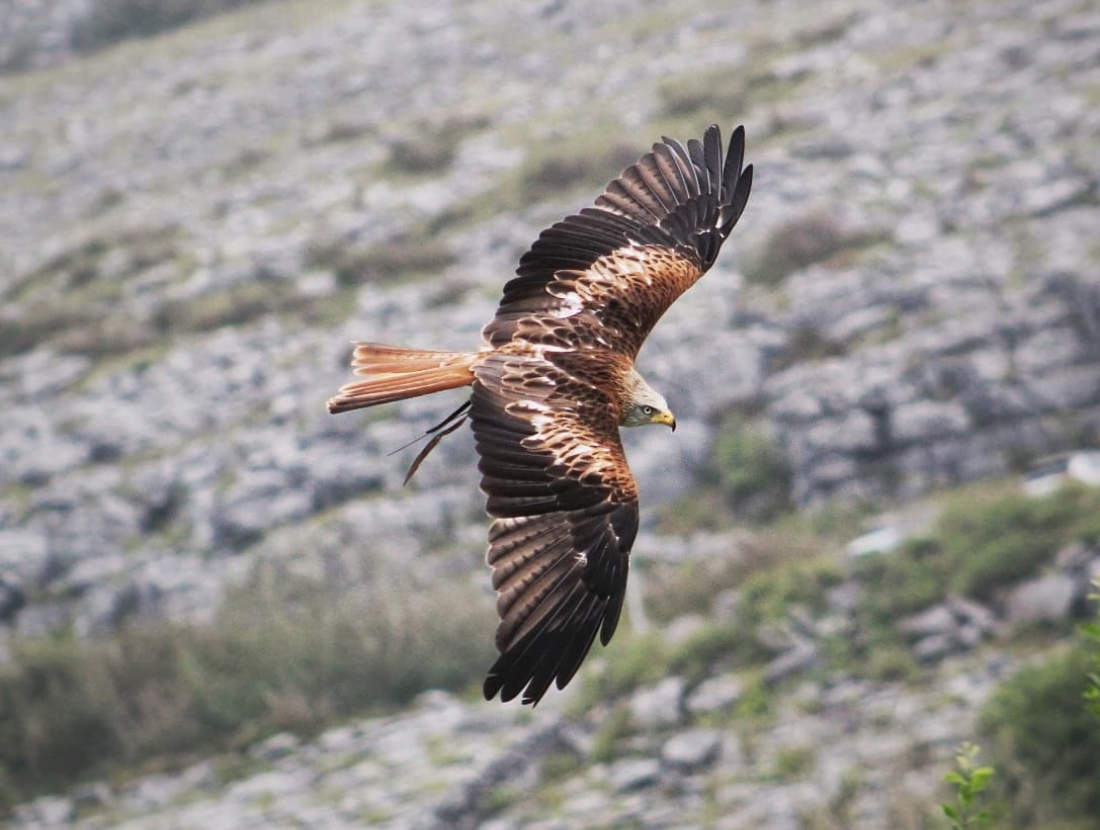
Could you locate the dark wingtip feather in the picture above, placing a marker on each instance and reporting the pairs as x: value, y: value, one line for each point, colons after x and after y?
x: 735, y: 159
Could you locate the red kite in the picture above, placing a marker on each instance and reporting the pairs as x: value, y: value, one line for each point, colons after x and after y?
x: 553, y: 382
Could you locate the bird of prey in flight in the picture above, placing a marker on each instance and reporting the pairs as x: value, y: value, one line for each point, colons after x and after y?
x: 553, y: 381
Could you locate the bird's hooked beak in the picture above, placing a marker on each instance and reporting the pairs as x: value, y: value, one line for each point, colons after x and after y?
x: 666, y: 418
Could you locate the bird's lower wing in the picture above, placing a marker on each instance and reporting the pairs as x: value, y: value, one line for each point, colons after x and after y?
x: 565, y: 511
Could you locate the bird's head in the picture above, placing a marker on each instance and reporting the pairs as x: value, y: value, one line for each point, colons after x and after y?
x: 646, y: 406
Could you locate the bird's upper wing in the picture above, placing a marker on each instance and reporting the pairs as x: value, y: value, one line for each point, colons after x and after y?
x: 565, y: 511
x: 607, y: 274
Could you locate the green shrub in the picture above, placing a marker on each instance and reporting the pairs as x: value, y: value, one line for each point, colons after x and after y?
x: 551, y: 168
x: 980, y: 543
x: 806, y: 343
x: 749, y: 469
x: 421, y: 154
x: 801, y: 242
x: 696, y: 657
x: 430, y: 147
x: 1045, y: 744
x: 557, y: 169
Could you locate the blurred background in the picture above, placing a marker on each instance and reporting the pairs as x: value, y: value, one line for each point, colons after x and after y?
x: 871, y: 539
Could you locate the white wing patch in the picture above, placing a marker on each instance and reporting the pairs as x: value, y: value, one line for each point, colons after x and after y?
x: 572, y: 305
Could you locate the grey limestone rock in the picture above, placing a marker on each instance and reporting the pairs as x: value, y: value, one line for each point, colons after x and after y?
x: 692, y: 749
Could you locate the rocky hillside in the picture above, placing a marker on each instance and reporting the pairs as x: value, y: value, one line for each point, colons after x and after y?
x: 194, y: 226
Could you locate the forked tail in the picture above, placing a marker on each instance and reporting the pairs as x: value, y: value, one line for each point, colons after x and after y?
x: 393, y: 374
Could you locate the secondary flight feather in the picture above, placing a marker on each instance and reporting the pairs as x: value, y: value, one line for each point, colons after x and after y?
x: 552, y: 383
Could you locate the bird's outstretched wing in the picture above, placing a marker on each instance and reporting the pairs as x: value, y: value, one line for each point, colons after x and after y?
x: 606, y: 275
x: 565, y: 511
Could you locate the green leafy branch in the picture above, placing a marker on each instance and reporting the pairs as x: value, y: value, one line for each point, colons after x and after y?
x: 969, y: 780
x: 1092, y: 631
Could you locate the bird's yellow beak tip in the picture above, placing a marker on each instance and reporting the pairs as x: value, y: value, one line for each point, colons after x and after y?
x: 666, y: 418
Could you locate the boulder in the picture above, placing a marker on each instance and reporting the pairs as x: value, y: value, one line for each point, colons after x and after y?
x: 691, y: 750
x: 1050, y: 598
x: 634, y: 774
x: 659, y: 705
x: 715, y: 694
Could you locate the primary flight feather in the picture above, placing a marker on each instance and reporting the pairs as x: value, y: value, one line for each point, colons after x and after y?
x: 553, y: 382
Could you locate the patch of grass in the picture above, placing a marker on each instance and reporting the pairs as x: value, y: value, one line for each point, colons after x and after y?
x: 635, y: 661
x: 405, y: 257
x: 691, y: 587
x: 554, y: 168
x: 560, y: 765
x: 283, y: 655
x: 792, y: 763
x: 245, y: 302
x: 73, y: 301
x: 232, y: 306
x: 567, y: 170
x: 695, y: 659
x: 106, y: 336
x: 617, y: 727
x: 756, y: 706
x: 889, y: 663
x: 721, y: 92
x: 911, y: 577
x: 38, y: 324
x: 703, y: 509
x: 766, y: 596
x: 110, y: 21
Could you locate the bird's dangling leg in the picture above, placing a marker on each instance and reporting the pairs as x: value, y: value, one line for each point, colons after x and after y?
x: 437, y: 433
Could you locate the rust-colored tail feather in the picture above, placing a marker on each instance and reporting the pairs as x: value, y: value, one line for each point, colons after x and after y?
x: 394, y: 373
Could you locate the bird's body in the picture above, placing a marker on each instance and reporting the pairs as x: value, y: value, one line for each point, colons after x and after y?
x: 553, y: 382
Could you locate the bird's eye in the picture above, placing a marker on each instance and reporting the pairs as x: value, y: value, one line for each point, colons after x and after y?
x: 647, y: 410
